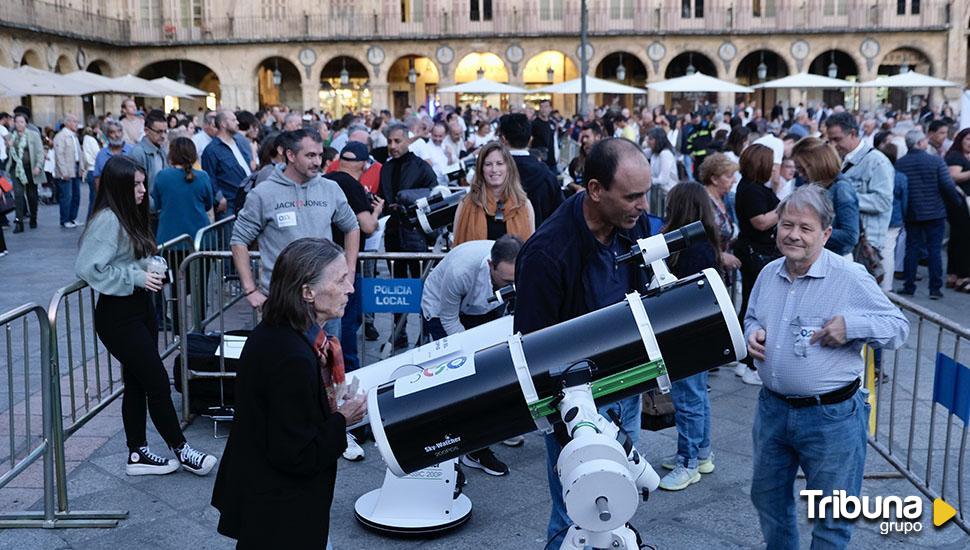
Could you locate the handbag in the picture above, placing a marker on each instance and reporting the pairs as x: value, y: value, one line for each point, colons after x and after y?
x: 8, y: 201
x: 869, y: 256
x: 658, y: 411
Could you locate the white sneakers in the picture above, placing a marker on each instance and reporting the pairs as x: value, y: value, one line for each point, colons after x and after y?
x: 748, y: 376
x: 354, y: 451
x: 679, y: 479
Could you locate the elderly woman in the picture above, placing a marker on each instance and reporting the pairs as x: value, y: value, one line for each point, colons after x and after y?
x: 275, y: 485
x: 496, y: 204
x: 717, y: 173
x: 817, y: 162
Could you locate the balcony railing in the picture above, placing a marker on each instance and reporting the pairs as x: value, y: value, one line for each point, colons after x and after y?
x: 510, y: 18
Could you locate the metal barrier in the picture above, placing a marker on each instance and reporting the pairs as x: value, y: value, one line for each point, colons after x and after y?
x: 48, y: 442
x: 914, y: 403
x: 216, y: 236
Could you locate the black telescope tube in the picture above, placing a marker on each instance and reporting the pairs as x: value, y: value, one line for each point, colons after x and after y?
x: 677, y: 240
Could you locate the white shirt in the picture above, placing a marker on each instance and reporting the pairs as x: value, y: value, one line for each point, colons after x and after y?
x: 3, y: 142
x: 239, y: 158
x: 421, y: 148
x: 201, y: 141
x: 478, y: 141
x: 438, y: 158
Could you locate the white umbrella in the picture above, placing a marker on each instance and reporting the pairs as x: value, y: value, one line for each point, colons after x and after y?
x: 10, y: 85
x: 105, y: 84
x: 807, y: 80
x: 593, y: 86
x: 38, y: 82
x: 177, y: 88
x: 911, y: 79
x: 138, y: 86
x: 698, y: 82
x: 483, y: 86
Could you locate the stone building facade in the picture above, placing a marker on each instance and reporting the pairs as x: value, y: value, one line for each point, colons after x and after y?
x: 353, y: 54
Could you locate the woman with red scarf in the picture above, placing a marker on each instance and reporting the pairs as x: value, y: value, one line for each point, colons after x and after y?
x: 276, y: 480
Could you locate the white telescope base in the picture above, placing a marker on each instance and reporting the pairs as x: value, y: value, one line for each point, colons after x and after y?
x: 421, y: 503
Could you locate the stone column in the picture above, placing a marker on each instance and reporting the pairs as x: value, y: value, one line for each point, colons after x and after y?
x: 311, y: 95
x: 379, y: 94
x: 654, y: 98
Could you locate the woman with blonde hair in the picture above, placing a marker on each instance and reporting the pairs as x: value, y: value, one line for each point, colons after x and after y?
x: 817, y: 162
x: 496, y: 205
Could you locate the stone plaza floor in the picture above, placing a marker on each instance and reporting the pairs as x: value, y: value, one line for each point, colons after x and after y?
x: 173, y: 512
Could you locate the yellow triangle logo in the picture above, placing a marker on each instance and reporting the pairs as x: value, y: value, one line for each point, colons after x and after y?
x: 942, y: 512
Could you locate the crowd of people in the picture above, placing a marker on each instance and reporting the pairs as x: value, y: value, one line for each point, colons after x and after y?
x: 808, y: 201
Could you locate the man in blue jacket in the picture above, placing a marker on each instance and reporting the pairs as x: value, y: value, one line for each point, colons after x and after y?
x: 538, y: 180
x: 227, y: 162
x: 568, y: 268
x: 930, y: 188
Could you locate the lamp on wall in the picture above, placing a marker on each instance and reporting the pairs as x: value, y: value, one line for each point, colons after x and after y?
x: 762, y: 68
x: 277, y: 75
x: 480, y: 73
x: 412, y: 76
x: 550, y: 73
x: 344, y: 74
x: 904, y: 69
x: 621, y: 70
x: 833, y: 69
x: 691, y: 70
x: 181, y: 75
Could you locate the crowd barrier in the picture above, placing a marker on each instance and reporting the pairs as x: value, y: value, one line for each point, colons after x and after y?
x: 927, y: 387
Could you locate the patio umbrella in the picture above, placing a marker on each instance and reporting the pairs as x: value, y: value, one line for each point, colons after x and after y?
x: 177, y: 88
x: 106, y: 84
x: 138, y: 86
x: 483, y: 86
x: 593, y: 86
x: 698, y: 82
x: 912, y: 79
x: 806, y: 80
x: 38, y: 82
x: 10, y: 85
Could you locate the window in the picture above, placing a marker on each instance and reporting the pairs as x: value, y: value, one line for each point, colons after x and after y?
x: 692, y: 8
x: 550, y: 9
x: 191, y: 13
x: 151, y: 12
x: 913, y: 7
x: 272, y: 9
x: 412, y: 11
x: 621, y: 9
x: 481, y: 10
x: 835, y: 7
x: 763, y: 8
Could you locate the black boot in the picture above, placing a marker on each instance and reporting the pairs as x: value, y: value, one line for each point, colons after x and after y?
x: 18, y: 226
x: 33, y: 222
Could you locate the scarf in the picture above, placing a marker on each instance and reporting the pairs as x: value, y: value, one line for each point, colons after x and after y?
x: 17, y: 147
x: 331, y: 360
x: 473, y: 225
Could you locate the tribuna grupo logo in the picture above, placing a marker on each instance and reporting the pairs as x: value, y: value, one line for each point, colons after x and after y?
x: 897, y: 514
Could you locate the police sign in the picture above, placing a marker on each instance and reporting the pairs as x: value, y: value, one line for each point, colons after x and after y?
x: 391, y: 295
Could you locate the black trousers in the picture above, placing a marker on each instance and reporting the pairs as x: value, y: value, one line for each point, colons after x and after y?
x: 26, y: 199
x: 127, y: 327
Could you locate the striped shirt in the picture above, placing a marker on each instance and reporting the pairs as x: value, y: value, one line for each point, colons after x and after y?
x: 790, y: 311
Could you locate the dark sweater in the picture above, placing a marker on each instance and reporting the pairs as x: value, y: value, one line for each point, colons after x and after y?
x: 930, y: 186
x: 540, y: 185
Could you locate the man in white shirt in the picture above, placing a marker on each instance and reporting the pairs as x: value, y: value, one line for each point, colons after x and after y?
x: 133, y: 123
x: 204, y: 138
x: 5, y: 121
x: 439, y: 155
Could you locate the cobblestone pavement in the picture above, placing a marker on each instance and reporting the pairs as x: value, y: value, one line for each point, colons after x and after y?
x: 172, y: 512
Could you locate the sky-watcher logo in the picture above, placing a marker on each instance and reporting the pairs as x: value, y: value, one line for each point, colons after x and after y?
x: 897, y: 514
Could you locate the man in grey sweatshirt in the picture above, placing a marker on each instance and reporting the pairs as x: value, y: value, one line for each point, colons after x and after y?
x: 294, y: 202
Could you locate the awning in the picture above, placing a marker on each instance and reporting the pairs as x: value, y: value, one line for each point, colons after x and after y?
x: 698, y: 83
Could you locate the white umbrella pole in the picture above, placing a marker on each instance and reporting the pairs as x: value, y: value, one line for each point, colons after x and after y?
x: 584, y: 63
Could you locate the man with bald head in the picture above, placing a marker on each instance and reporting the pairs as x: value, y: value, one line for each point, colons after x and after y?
x: 568, y: 268
x: 371, y: 178
x: 67, y: 171
x: 227, y: 163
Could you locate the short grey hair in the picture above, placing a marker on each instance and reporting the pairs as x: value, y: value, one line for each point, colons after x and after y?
x: 112, y: 124
x: 810, y: 197
x: 396, y: 127
x: 357, y: 128
x: 913, y: 137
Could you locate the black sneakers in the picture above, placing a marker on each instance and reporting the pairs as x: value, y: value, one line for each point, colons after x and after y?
x: 195, y: 461
x: 486, y: 461
x: 142, y: 462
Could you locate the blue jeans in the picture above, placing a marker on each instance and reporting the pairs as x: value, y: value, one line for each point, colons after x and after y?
x: 92, y: 192
x: 349, y: 325
x: 926, y: 235
x: 69, y: 198
x: 828, y: 442
x: 693, y: 418
x: 629, y: 412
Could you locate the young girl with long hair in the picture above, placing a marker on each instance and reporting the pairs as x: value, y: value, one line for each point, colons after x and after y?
x: 496, y: 204
x: 115, y: 247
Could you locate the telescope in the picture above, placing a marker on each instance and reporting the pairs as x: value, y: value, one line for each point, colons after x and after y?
x: 502, y: 295
x: 435, y: 211
x: 477, y: 388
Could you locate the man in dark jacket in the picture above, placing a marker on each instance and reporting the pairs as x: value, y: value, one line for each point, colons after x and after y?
x: 567, y: 269
x: 537, y: 179
x: 930, y: 189
x: 403, y: 171
x: 227, y: 163
x: 544, y: 134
